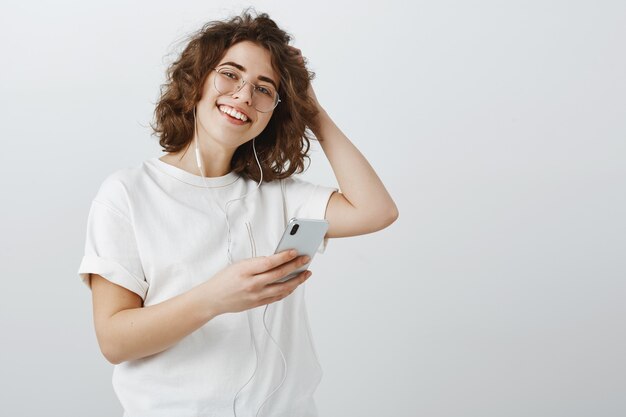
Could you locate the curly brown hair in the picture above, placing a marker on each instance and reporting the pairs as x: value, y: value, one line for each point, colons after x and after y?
x: 283, y: 145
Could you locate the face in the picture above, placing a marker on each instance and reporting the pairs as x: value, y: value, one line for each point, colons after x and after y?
x: 253, y: 62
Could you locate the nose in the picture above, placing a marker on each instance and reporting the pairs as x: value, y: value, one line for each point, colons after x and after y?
x: 245, y: 93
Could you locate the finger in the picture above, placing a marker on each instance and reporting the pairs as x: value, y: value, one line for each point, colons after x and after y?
x: 269, y: 300
x: 281, y: 271
x: 283, y: 289
x: 262, y: 264
x: 273, y: 275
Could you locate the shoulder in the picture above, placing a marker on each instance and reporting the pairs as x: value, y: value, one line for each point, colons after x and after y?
x: 116, y: 189
x: 287, y: 187
x: 303, y: 198
x: 296, y: 185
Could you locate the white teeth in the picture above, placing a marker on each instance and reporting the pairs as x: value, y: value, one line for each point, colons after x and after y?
x: 233, y: 112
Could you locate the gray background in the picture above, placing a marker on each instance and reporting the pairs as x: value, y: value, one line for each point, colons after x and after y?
x: 498, y: 127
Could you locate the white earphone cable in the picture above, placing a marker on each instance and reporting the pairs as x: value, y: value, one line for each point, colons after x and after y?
x: 230, y: 261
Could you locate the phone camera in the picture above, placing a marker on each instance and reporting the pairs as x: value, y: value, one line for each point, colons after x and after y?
x: 294, y: 229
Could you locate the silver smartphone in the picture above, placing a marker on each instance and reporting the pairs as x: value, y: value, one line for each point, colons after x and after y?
x: 305, y: 236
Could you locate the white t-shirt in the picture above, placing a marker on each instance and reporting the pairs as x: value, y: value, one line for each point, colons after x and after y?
x: 158, y: 231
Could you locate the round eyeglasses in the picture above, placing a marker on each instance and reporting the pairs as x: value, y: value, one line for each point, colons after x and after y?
x: 229, y: 81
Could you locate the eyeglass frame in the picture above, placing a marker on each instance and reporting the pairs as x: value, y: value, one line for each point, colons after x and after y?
x: 241, y: 86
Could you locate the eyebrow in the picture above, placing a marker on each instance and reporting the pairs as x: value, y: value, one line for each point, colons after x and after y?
x: 242, y: 68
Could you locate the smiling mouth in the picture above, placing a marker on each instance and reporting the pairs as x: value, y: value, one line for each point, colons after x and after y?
x: 233, y: 113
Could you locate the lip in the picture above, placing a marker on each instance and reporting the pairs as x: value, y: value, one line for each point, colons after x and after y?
x: 236, y: 108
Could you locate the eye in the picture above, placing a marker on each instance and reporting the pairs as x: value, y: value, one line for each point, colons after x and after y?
x: 265, y: 91
x: 230, y: 74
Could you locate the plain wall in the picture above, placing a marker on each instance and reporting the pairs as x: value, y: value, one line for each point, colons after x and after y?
x: 498, y: 127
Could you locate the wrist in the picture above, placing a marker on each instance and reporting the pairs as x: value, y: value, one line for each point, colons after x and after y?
x: 208, y: 307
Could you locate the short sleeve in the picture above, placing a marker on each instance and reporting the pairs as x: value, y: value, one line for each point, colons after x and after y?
x: 111, y: 247
x: 306, y: 200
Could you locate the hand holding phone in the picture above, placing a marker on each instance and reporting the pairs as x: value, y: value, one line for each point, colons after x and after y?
x: 305, y: 236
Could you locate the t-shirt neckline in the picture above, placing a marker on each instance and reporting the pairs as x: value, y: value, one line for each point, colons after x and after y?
x: 189, y: 178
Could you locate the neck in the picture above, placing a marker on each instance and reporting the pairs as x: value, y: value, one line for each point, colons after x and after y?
x: 216, y: 163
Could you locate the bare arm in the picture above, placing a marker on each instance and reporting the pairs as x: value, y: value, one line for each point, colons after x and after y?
x: 363, y: 205
x: 126, y: 330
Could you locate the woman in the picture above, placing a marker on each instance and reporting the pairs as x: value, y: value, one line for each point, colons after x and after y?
x: 179, y: 248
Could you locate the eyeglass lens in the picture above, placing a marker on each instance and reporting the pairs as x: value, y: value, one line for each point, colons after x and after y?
x: 228, y: 81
